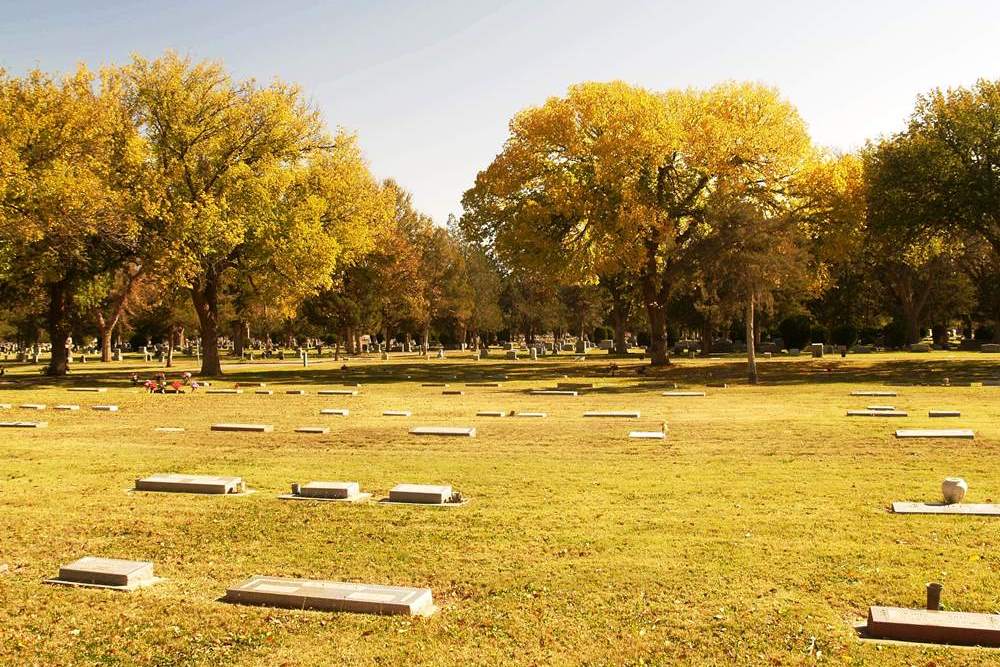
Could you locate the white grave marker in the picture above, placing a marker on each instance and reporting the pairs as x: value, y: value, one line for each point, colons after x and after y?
x: 175, y: 483
x: 332, y: 596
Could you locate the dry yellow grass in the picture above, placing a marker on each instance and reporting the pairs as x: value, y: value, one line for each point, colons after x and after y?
x: 753, y: 535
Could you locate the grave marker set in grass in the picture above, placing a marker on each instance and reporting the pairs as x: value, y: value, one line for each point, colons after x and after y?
x: 176, y: 483
x: 243, y: 428
x: 335, y: 491
x: 332, y: 596
x: 110, y: 573
x: 447, y: 431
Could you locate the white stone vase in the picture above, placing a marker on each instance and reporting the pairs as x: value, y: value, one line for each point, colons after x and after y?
x: 953, y: 489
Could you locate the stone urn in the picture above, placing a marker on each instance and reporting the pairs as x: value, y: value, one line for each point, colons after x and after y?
x: 953, y: 489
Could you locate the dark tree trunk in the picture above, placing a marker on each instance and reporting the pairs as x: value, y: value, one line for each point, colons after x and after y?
x: 654, y: 295
x: 706, y: 337
x: 60, y: 297
x: 751, y: 348
x: 105, y: 330
x: 205, y: 295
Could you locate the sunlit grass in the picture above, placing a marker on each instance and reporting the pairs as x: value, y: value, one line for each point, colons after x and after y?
x: 753, y: 535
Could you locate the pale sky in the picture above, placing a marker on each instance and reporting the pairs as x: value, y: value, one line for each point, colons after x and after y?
x: 429, y: 86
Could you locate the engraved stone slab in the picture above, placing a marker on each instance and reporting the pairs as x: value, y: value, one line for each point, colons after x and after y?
x: 339, y: 490
x: 32, y: 406
x: 460, y: 431
x: 873, y: 393
x: 491, y: 413
x: 23, y: 424
x: 338, y: 412
x: 176, y: 483
x: 647, y: 435
x: 332, y: 596
x: 718, y: 385
x: 530, y: 414
x: 251, y: 428
x: 223, y: 391
x: 106, y: 573
x: 434, y: 384
x: 337, y: 392
x: 875, y: 413
x: 683, y: 393
x: 396, y: 413
x: 965, y: 434
x: 614, y: 414
x: 944, y: 413
x: 4, y: 406
x: 974, y: 509
x: 938, y: 627
x: 452, y: 392
x: 296, y: 392
x: 264, y: 392
x: 420, y: 493
x: 105, y: 408
x: 886, y: 408
x: 482, y: 384
x: 552, y: 392
x: 66, y: 407
x: 93, y: 390
x: 168, y: 429
x: 312, y: 429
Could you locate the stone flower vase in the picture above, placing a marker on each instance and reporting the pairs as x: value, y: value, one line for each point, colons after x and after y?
x: 953, y: 489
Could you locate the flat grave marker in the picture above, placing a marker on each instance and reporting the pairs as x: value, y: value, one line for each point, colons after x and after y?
x: 337, y: 412
x: 4, y: 406
x: 243, y: 428
x: 944, y: 413
x: 32, y: 406
x: 574, y: 385
x: 337, y: 392
x: 105, y: 408
x: 960, y: 433
x: 263, y: 392
x: 452, y: 392
x: 168, y: 429
x: 539, y: 415
x: 677, y: 394
x: 92, y: 390
x: 450, y: 431
x: 717, y: 385
x: 295, y: 392
x: 340, y: 491
x: 434, y: 384
x: 482, y: 384
x: 24, y: 424
x: 491, y: 413
x: 873, y: 393
x: 223, y: 391
x: 396, y: 413
x: 176, y: 483
x: 66, y: 407
x: 553, y: 392
x: 876, y: 413
x: 647, y: 435
x: 613, y: 414
x: 935, y: 627
x: 423, y: 494
x: 312, y: 429
x: 884, y: 408
x: 90, y: 571
x: 332, y: 596
x: 969, y: 509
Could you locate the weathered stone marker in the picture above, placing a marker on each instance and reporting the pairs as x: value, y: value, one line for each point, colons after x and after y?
x: 647, y: 435
x: 332, y: 596
x: 24, y: 424
x: 971, y: 509
x: 349, y: 491
x: 875, y: 413
x: 175, y: 483
x: 458, y: 431
x: 168, y: 429
x: 452, y: 392
x: 337, y: 392
x: 530, y: 414
x: 124, y: 575
x: 223, y: 391
x: 614, y: 414
x: 295, y: 392
x: 960, y: 433
x: 888, y: 408
x: 936, y: 627
x: 396, y: 413
x: 552, y: 392
x: 434, y: 384
x: 482, y: 384
x: 873, y: 393
x: 337, y: 412
x: 677, y: 394
x: 491, y: 413
x: 264, y: 392
x: 105, y: 408
x: 944, y: 413
x: 245, y: 428
x: 420, y: 493
x: 93, y: 390
x: 574, y: 385
x: 32, y: 406
x: 66, y: 407
x: 312, y: 429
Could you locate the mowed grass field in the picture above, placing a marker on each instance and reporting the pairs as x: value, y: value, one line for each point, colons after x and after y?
x: 755, y: 534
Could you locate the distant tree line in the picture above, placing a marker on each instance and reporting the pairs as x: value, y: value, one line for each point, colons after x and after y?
x: 163, y: 199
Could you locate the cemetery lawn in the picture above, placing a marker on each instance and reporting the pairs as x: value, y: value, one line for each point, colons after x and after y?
x: 755, y: 534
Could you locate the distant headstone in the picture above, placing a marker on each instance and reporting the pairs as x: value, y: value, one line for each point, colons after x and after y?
x: 933, y: 626
x: 552, y: 392
x: 457, y: 431
x: 971, y: 509
x: 66, y: 407
x: 614, y: 414
x: 875, y: 413
x: 944, y: 413
x: 319, y: 430
x: 511, y: 355
x: 105, y: 408
x: 337, y: 392
x: 329, y: 490
x: 452, y: 392
x: 174, y: 483
x: 248, y: 428
x: 263, y: 392
x: 420, y: 493
x: 223, y: 391
x: 873, y: 393
x: 396, y: 413
x: 332, y: 596
x: 482, y: 384
x: 816, y: 349
x: 539, y: 415
x: 89, y: 390
x: 676, y: 394
x: 491, y: 413
x: 24, y: 424
x: 295, y: 392
x: 647, y: 435
x: 336, y: 412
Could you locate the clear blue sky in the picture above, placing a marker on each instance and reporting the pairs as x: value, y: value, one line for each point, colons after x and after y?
x: 430, y: 85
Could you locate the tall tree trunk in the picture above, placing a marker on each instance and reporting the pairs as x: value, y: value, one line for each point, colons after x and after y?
x: 171, y: 338
x: 241, y: 335
x: 426, y: 338
x: 205, y: 295
x: 105, y: 329
x: 751, y: 347
x: 656, y: 307
x: 60, y: 297
x: 706, y: 336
